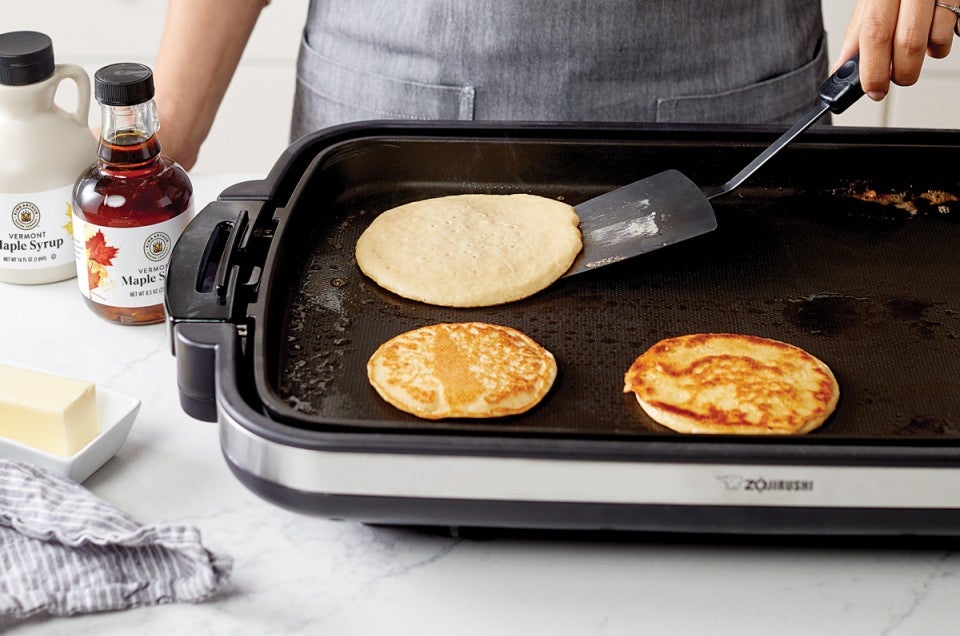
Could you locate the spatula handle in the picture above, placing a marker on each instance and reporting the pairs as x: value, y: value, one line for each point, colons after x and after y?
x: 843, y: 87
x: 837, y: 93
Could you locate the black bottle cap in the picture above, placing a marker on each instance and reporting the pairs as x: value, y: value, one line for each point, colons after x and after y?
x: 26, y: 57
x: 123, y: 84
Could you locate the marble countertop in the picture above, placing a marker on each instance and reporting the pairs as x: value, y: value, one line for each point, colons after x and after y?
x: 295, y: 574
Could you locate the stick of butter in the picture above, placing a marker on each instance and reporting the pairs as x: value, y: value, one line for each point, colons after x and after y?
x: 49, y: 412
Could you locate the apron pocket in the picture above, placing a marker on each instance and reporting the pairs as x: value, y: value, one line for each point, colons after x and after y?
x: 772, y: 101
x: 330, y: 92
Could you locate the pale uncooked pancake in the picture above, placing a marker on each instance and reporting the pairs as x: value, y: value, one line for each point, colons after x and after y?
x: 470, y: 369
x: 729, y: 383
x: 470, y: 250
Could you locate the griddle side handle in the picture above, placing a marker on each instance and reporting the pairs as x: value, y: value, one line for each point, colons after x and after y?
x: 201, y: 276
x: 197, y: 347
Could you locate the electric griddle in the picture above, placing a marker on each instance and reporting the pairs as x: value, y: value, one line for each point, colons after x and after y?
x: 847, y: 244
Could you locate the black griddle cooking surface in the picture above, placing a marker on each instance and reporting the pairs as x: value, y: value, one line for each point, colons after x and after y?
x: 872, y: 290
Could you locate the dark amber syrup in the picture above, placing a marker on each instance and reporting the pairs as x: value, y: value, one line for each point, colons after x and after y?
x: 153, y: 188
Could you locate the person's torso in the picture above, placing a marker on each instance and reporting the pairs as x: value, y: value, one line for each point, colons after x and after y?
x: 603, y: 60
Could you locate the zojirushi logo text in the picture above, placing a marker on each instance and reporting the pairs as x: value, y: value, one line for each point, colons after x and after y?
x: 765, y: 484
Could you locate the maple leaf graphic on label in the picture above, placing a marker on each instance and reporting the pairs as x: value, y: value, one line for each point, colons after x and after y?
x: 68, y: 226
x: 99, y: 257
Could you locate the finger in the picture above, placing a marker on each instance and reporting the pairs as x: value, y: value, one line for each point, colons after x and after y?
x: 877, y: 28
x: 910, y: 40
x: 941, y: 32
x: 851, y: 35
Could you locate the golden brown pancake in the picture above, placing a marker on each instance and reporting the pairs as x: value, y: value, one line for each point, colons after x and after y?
x: 470, y: 369
x: 729, y: 383
x: 470, y: 250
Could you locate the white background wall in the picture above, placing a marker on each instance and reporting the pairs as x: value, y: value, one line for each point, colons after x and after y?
x: 931, y: 103
x: 252, y: 127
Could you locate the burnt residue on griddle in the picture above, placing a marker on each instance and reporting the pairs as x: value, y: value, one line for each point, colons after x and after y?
x: 914, y: 312
x: 932, y: 426
x: 894, y: 202
x: 908, y: 308
x: 828, y: 314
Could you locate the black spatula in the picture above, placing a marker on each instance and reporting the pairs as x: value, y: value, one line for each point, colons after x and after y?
x: 668, y: 207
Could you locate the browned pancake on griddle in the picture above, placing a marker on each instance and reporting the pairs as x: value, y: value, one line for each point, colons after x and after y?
x: 729, y: 383
x: 470, y: 369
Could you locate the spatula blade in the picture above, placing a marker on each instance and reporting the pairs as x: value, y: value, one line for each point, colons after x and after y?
x: 643, y: 216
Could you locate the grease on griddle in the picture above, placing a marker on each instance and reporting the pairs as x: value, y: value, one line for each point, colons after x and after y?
x: 313, y: 357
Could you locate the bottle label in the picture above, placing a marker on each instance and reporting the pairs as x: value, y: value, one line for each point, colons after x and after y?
x: 35, y: 230
x: 125, y: 266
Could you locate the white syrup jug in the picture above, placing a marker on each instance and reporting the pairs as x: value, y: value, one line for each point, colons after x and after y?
x: 43, y: 149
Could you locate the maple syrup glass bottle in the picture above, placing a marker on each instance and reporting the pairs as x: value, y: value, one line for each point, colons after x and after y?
x: 131, y: 205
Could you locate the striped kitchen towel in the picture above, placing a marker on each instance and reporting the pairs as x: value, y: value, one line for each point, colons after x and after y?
x: 64, y: 551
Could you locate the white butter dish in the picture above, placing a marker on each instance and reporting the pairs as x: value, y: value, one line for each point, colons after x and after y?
x: 117, y: 413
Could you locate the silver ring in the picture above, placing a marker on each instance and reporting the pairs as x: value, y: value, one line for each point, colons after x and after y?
x: 948, y: 7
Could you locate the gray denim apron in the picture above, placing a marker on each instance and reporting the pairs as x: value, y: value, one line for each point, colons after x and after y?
x: 717, y: 61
